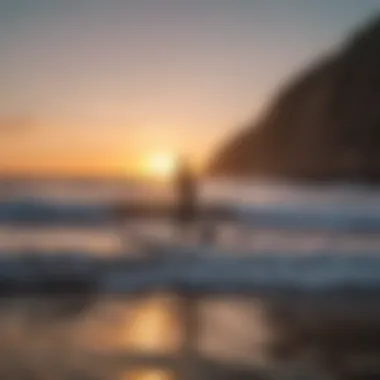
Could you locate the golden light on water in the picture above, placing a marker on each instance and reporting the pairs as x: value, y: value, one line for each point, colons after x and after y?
x: 153, y: 327
x: 146, y: 374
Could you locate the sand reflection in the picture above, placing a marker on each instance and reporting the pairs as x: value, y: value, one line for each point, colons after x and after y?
x: 145, y: 374
x: 153, y: 328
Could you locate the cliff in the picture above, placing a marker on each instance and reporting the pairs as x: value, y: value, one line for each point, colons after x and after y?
x: 323, y: 125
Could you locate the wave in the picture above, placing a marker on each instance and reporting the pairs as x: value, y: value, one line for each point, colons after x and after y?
x: 30, y: 211
x: 348, y: 218
x: 68, y: 272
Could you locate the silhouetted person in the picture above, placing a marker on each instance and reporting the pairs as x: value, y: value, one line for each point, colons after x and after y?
x: 186, y: 193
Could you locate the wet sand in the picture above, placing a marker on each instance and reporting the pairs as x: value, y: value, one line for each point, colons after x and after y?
x: 239, y: 338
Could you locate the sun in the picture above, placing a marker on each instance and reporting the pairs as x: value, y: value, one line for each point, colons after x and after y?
x: 161, y: 165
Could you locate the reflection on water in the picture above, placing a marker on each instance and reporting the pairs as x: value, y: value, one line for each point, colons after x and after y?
x: 146, y: 374
x: 40, y: 339
x: 153, y: 326
x: 235, y: 329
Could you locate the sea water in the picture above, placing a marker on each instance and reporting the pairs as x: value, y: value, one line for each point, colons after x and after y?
x: 86, y: 337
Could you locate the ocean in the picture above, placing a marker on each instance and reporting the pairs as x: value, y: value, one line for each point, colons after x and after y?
x: 322, y: 208
x: 86, y: 336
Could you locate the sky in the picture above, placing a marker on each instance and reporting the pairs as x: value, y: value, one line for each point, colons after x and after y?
x: 94, y: 86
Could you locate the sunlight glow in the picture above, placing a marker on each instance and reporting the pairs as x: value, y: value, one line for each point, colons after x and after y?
x: 161, y: 165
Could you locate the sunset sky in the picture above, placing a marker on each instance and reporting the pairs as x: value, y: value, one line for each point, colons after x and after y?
x: 97, y: 85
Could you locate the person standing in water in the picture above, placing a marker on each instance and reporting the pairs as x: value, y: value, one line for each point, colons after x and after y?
x: 187, y: 197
